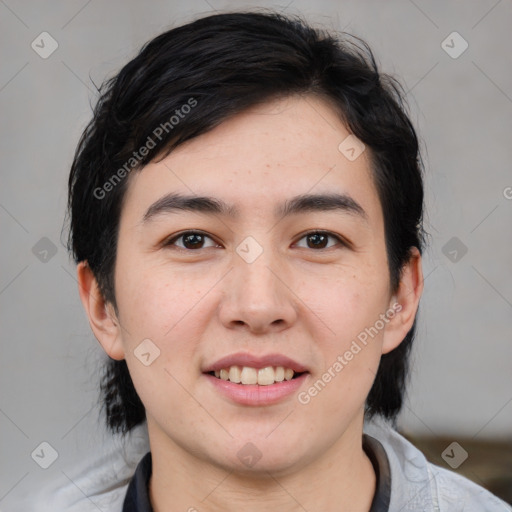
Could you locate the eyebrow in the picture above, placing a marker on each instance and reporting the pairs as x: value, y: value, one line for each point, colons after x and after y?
x: 174, y: 202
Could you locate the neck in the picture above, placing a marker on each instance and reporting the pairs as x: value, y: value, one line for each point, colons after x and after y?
x: 342, y: 478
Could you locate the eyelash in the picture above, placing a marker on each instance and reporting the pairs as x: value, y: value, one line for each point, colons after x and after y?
x: 170, y: 242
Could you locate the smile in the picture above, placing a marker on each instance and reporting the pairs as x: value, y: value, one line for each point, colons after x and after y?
x: 247, y: 375
x: 257, y: 394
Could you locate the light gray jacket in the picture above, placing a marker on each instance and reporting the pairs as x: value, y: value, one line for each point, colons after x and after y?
x: 100, y: 481
x: 419, y: 486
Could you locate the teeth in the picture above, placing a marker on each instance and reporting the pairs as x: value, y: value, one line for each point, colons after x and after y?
x: 248, y: 375
x: 288, y: 374
x: 235, y: 374
x: 266, y: 376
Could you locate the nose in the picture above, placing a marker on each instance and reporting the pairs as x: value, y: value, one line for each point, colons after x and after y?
x: 257, y: 297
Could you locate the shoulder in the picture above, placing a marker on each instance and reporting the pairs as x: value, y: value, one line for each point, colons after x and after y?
x: 417, y: 484
x: 454, y: 490
x: 92, y: 480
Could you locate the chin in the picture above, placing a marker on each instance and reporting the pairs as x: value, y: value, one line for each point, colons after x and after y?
x: 258, y: 459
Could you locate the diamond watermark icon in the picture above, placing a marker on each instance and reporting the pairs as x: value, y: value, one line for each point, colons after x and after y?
x: 146, y: 352
x: 351, y: 147
x: 454, y: 249
x: 249, y: 454
x: 44, y: 45
x: 249, y: 249
x: 44, y: 455
x: 454, y: 455
x: 44, y: 250
x: 454, y: 45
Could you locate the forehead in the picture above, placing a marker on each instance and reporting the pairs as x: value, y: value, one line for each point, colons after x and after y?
x: 261, y: 157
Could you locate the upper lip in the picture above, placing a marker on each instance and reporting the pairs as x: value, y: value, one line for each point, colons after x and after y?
x: 255, y: 361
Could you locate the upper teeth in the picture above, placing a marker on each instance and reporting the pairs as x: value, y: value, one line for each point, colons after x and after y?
x: 248, y: 375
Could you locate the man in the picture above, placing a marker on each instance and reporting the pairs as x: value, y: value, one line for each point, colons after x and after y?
x: 246, y: 216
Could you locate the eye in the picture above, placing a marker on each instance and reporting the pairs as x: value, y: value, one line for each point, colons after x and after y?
x: 191, y: 240
x: 319, y: 239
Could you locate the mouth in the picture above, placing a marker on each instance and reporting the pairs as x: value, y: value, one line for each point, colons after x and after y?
x: 253, y: 393
x: 256, y: 380
x: 246, y: 375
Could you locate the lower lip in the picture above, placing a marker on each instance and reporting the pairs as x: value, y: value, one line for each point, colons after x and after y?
x: 253, y: 394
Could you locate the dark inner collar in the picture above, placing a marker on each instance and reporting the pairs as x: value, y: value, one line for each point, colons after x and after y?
x: 137, y: 495
x: 379, y: 459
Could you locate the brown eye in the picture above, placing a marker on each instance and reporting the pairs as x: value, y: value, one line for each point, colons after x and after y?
x: 319, y: 239
x: 190, y: 240
x: 193, y: 241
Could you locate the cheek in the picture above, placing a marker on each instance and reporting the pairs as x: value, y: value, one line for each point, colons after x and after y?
x: 350, y: 354
x: 167, y: 311
x: 156, y: 302
x: 348, y: 303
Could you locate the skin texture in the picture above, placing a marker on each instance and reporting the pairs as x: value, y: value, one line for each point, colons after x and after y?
x: 198, y: 305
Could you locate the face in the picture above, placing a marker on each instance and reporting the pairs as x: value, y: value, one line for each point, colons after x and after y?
x: 265, y: 282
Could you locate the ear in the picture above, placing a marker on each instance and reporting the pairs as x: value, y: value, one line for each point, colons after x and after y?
x: 404, y: 303
x: 102, y: 319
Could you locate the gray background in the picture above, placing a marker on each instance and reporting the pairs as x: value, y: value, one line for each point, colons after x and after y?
x: 462, y: 379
